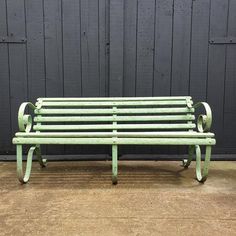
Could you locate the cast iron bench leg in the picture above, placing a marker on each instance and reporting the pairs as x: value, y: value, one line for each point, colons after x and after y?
x: 114, y: 163
x: 202, y: 175
x: 187, y: 162
x: 41, y: 161
x: 24, y: 177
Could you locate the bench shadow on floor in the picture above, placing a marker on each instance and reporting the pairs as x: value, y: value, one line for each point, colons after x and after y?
x: 98, y: 175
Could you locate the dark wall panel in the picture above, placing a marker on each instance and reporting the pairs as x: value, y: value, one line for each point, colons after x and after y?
x: 5, y: 105
x: 18, y: 79
x: 118, y: 48
x: 216, y: 66
x: 145, y: 47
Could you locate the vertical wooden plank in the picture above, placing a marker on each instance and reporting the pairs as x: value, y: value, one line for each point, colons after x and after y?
x: 181, y: 47
x: 129, y: 56
x: 145, y: 52
x: 72, y: 69
x: 103, y: 43
x: 90, y: 48
x: 116, y: 47
x: 216, y: 70
x: 53, y: 48
x: 17, y: 59
x: 145, y: 47
x: 199, y: 49
x: 130, y: 44
x: 5, y: 124
x: 53, y: 55
x: 163, y: 48
x: 35, y: 49
x: 230, y: 83
x: 162, y: 54
x: 71, y: 48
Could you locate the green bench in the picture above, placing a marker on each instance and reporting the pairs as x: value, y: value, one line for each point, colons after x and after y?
x: 114, y: 121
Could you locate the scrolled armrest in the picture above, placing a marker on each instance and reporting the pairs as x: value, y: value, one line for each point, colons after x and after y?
x: 204, y: 121
x: 25, y: 120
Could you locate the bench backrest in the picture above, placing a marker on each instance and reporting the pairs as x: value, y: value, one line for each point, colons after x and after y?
x: 114, y: 114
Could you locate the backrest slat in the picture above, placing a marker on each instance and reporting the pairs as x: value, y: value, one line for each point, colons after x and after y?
x: 114, y: 126
x: 116, y: 98
x: 67, y: 111
x: 111, y: 118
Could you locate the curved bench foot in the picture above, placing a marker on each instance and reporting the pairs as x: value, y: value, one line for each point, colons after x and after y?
x: 187, y: 162
x: 24, y: 177
x: 202, y: 174
x: 114, y: 164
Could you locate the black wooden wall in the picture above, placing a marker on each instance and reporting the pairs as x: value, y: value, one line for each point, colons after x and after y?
x: 119, y: 48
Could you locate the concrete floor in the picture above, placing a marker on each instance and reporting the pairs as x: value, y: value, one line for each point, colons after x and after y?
x: 152, y: 198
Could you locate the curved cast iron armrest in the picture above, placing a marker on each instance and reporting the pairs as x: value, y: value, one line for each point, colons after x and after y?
x: 25, y: 120
x: 204, y: 121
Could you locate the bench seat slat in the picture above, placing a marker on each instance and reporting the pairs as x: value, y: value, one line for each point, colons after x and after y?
x: 122, y: 141
x: 66, y: 111
x: 192, y: 134
x: 114, y: 126
x: 111, y: 118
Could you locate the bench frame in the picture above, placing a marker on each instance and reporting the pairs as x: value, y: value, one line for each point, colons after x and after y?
x: 203, y: 125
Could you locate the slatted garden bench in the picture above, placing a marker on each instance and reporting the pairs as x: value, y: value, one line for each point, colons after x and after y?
x: 114, y: 121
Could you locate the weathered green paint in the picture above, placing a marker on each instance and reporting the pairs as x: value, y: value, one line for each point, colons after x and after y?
x: 202, y: 175
x: 115, y: 121
x: 204, y: 121
x: 114, y: 126
x: 122, y: 141
x: 66, y: 111
x: 114, y: 163
x: 112, y: 103
x: 159, y: 134
x: 24, y: 177
x: 172, y: 98
x: 111, y: 118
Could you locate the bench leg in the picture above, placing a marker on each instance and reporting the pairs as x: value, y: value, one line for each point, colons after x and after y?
x: 24, y: 177
x: 41, y: 161
x: 202, y: 175
x: 187, y: 162
x: 114, y: 163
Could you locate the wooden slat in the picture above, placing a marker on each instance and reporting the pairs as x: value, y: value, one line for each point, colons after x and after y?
x: 110, y: 118
x: 115, y: 111
x: 114, y: 126
x: 114, y: 98
x: 115, y: 103
x: 117, y: 134
x: 123, y: 141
